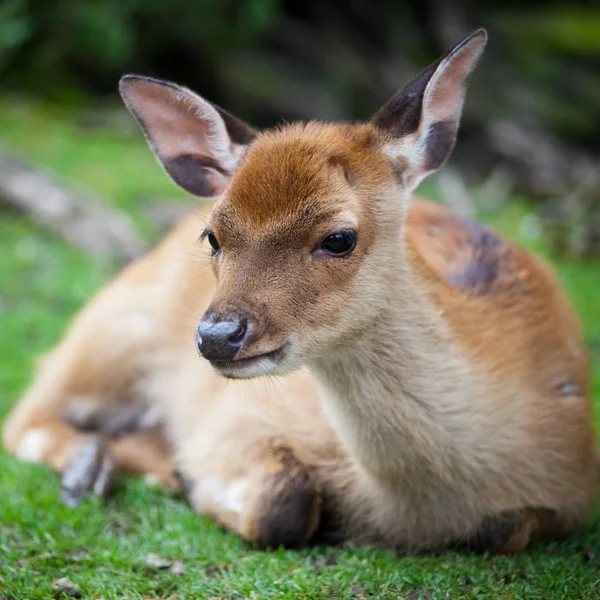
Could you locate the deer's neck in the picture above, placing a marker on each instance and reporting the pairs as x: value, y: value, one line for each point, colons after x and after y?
x: 396, y: 395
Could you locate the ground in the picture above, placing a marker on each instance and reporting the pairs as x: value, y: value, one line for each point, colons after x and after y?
x: 143, y: 543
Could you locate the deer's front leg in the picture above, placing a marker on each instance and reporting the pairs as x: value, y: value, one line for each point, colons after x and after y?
x: 264, y: 493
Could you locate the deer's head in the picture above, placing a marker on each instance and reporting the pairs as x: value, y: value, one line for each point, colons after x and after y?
x: 306, y: 228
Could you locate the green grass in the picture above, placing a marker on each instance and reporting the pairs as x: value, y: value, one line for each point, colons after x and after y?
x: 103, y: 546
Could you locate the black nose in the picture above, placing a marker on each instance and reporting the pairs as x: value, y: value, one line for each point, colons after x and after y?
x: 220, y: 339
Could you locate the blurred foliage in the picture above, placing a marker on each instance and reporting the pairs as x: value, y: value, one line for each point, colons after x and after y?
x: 57, y: 46
x: 344, y: 57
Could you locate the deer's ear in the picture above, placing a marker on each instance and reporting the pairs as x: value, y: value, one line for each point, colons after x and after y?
x: 197, y: 143
x: 421, y: 121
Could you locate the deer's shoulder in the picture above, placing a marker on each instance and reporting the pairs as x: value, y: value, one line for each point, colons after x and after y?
x: 472, y: 258
x: 503, y: 303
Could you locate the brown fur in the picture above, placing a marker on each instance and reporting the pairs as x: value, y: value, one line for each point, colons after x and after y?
x: 446, y: 400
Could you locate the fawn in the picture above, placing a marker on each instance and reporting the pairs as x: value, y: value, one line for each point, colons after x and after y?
x: 432, y: 385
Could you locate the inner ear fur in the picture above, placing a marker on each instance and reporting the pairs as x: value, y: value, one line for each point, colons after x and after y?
x: 197, y: 142
x: 421, y: 121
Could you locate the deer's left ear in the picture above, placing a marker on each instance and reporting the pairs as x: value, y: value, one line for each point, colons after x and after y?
x: 420, y: 122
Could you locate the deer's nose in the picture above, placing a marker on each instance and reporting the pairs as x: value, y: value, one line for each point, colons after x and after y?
x: 221, y: 338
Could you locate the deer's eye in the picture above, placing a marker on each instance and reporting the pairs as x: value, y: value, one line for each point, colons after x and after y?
x: 339, y: 244
x: 214, y: 243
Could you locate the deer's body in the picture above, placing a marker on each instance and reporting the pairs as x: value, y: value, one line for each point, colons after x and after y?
x: 446, y: 398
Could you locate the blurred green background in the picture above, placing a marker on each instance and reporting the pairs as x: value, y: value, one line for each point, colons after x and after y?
x: 526, y: 161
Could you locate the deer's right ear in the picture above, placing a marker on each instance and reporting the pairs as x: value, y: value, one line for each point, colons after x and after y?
x: 197, y: 143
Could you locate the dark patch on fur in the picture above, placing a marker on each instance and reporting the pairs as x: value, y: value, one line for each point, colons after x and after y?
x: 112, y: 421
x: 569, y: 388
x: 494, y: 533
x: 332, y: 529
x: 291, y: 506
x: 488, y: 262
x: 369, y: 139
x: 440, y: 140
x: 192, y: 173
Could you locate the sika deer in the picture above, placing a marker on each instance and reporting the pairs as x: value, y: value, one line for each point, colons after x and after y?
x: 446, y: 400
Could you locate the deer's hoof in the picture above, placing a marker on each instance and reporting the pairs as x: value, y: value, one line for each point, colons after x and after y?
x: 90, y: 469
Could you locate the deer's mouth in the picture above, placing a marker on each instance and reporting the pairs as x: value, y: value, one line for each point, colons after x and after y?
x: 250, y: 366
